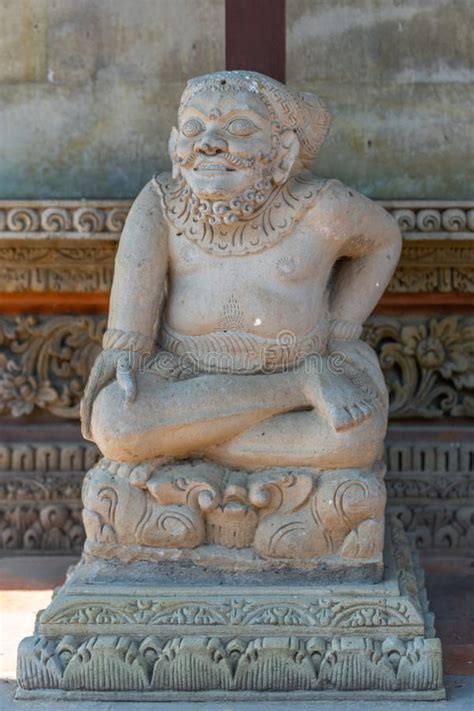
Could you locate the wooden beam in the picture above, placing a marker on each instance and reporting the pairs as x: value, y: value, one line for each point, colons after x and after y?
x: 55, y: 303
x: 255, y: 36
x: 88, y: 303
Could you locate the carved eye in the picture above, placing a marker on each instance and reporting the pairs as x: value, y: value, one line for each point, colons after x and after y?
x: 192, y: 127
x: 241, y: 127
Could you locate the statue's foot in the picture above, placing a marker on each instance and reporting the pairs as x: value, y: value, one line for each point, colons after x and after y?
x: 136, y: 473
x: 346, y: 399
x: 344, y: 406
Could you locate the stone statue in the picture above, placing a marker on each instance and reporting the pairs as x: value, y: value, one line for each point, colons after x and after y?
x: 241, y: 285
x: 235, y: 524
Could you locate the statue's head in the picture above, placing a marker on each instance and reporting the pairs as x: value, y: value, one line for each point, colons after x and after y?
x: 240, y: 133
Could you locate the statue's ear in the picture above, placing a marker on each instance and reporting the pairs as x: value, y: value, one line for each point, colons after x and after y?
x: 288, y: 153
x: 173, y: 139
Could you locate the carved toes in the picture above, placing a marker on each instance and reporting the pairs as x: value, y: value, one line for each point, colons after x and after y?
x: 345, y: 417
x: 341, y: 418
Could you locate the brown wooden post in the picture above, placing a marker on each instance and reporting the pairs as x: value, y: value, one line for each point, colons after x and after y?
x: 255, y: 36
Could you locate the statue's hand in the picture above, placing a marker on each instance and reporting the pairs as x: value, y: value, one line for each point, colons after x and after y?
x: 110, y: 364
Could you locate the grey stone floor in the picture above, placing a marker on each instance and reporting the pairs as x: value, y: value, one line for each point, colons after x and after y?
x: 460, y: 691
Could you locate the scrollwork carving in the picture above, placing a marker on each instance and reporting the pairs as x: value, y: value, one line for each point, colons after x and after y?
x: 278, y: 513
x: 163, y: 509
x: 454, y: 220
x: 428, y: 364
x: 22, y: 219
x: 443, y: 526
x: 86, y: 219
x: 56, y: 219
x: 239, y: 612
x: 413, y: 216
x: 428, y: 220
x: 50, y: 527
x: 44, y: 363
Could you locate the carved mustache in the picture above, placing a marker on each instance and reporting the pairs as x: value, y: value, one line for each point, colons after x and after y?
x: 242, y: 160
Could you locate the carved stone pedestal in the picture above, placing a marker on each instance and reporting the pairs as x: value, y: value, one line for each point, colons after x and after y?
x: 139, y: 632
x: 324, y: 525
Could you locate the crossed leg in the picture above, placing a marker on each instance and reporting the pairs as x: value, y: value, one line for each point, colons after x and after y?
x: 185, y: 418
x: 249, y: 421
x: 304, y: 439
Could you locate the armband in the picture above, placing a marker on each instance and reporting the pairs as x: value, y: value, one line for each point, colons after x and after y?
x: 345, y: 330
x: 118, y: 340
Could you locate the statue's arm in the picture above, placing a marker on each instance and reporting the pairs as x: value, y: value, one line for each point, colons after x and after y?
x: 368, y: 244
x: 137, y: 292
x: 140, y: 272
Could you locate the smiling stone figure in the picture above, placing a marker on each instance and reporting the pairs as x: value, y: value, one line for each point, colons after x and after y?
x: 235, y: 524
x: 233, y: 401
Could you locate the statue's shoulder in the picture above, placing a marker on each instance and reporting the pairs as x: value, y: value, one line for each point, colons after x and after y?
x: 150, y: 196
x: 300, y: 193
x: 145, y: 217
x: 325, y: 191
x: 306, y: 185
x: 316, y: 192
x: 342, y: 211
x: 335, y: 200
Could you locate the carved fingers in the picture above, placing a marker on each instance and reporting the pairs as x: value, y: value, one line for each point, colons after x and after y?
x: 108, y: 365
x: 126, y: 378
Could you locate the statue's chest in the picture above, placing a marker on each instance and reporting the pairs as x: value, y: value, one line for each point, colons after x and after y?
x: 293, y: 258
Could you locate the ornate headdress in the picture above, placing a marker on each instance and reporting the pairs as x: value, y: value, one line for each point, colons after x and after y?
x: 301, y: 112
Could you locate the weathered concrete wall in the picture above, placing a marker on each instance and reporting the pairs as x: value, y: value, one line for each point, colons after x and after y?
x: 89, y: 90
x: 398, y: 77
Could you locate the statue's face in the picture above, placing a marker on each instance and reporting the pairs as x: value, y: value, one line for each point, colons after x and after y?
x: 223, y: 142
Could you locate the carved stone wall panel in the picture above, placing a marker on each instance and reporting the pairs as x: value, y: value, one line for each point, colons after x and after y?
x: 45, y: 362
x: 428, y: 363
x: 430, y: 488
x: 40, y: 496
x: 65, y: 246
x: 434, y: 266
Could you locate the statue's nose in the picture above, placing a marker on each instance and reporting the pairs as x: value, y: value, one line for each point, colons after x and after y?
x: 210, y: 144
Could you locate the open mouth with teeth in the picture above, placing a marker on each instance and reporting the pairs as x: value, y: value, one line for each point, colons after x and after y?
x: 214, y: 168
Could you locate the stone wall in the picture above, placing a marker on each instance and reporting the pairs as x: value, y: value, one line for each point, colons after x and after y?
x: 89, y: 90
x: 398, y: 77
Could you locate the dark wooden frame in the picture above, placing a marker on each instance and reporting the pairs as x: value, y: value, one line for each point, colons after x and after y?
x: 255, y: 36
